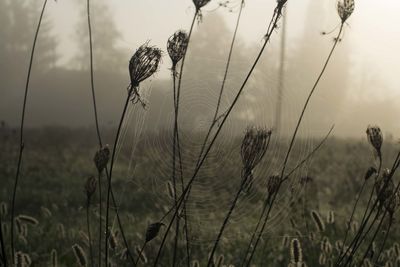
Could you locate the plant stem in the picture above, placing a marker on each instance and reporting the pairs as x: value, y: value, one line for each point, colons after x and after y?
x: 100, y: 218
x: 111, y: 169
x: 271, y: 28
x: 89, y: 234
x: 3, y: 255
x: 384, y: 242
x: 295, y: 135
x: 21, y: 141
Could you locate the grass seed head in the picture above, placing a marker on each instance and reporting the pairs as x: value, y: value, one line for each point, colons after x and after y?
x: 296, y: 254
x: 177, y: 45
x: 54, y: 260
x: 28, y: 219
x: 80, y: 255
x: 319, y: 223
x: 144, y: 63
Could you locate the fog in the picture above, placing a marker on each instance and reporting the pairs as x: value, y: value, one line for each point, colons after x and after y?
x: 359, y: 88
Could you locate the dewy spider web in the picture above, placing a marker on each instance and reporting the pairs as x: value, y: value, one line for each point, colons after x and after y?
x: 219, y: 177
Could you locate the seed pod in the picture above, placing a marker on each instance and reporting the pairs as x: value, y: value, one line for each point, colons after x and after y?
x: 152, y: 231
x: 80, y: 255
x: 90, y: 186
x: 331, y: 217
x: 101, y: 158
x: 296, y: 254
x: 345, y: 8
x: 375, y: 138
x: 177, y: 45
x: 144, y: 63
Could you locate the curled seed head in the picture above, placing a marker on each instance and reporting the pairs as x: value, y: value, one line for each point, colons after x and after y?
x: 375, y: 138
x: 318, y: 221
x: 90, y: 186
x: 254, y: 146
x: 177, y: 45
x: 296, y: 254
x: 144, y: 63
x: 101, y: 158
x: 345, y: 8
x: 153, y: 230
x: 200, y: 3
x: 80, y: 255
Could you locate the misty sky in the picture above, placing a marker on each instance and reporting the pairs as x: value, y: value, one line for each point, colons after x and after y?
x: 371, y: 37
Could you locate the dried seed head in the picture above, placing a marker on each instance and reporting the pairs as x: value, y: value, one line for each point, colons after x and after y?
x: 254, y: 146
x: 144, y: 63
x: 371, y: 171
x: 374, y: 135
x: 113, y: 241
x: 90, y: 186
x: 285, y: 241
x: 20, y: 259
x: 152, y: 231
x: 200, y: 3
x: 318, y: 221
x: 322, y: 259
x: 101, y: 158
x: 345, y: 8
x: 60, y: 231
x: 296, y: 254
x: 273, y: 184
x: 80, y: 255
x: 177, y: 45
x: 385, y: 191
x: 46, y: 212
x: 195, y: 263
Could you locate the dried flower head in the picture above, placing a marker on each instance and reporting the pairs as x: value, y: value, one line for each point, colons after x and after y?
x: 254, y: 146
x: 90, y: 186
x: 152, y: 231
x: 101, y: 158
x: 374, y: 135
x: 144, y: 63
x: 273, y: 183
x: 200, y: 3
x: 345, y: 8
x: 177, y: 45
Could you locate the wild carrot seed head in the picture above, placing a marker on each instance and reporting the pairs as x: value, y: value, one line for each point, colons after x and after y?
x: 345, y: 8
x: 375, y: 138
x: 177, y: 45
x: 144, y: 63
x: 90, y: 186
x: 101, y: 158
x: 200, y: 3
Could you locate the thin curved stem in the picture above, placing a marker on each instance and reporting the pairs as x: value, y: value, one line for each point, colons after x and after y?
x: 3, y: 258
x: 384, y: 242
x: 21, y: 141
x: 89, y: 232
x: 100, y: 217
x: 111, y: 169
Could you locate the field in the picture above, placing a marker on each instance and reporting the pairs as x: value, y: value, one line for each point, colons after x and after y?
x: 58, y: 161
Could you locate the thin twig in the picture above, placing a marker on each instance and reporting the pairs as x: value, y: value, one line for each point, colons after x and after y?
x: 89, y: 233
